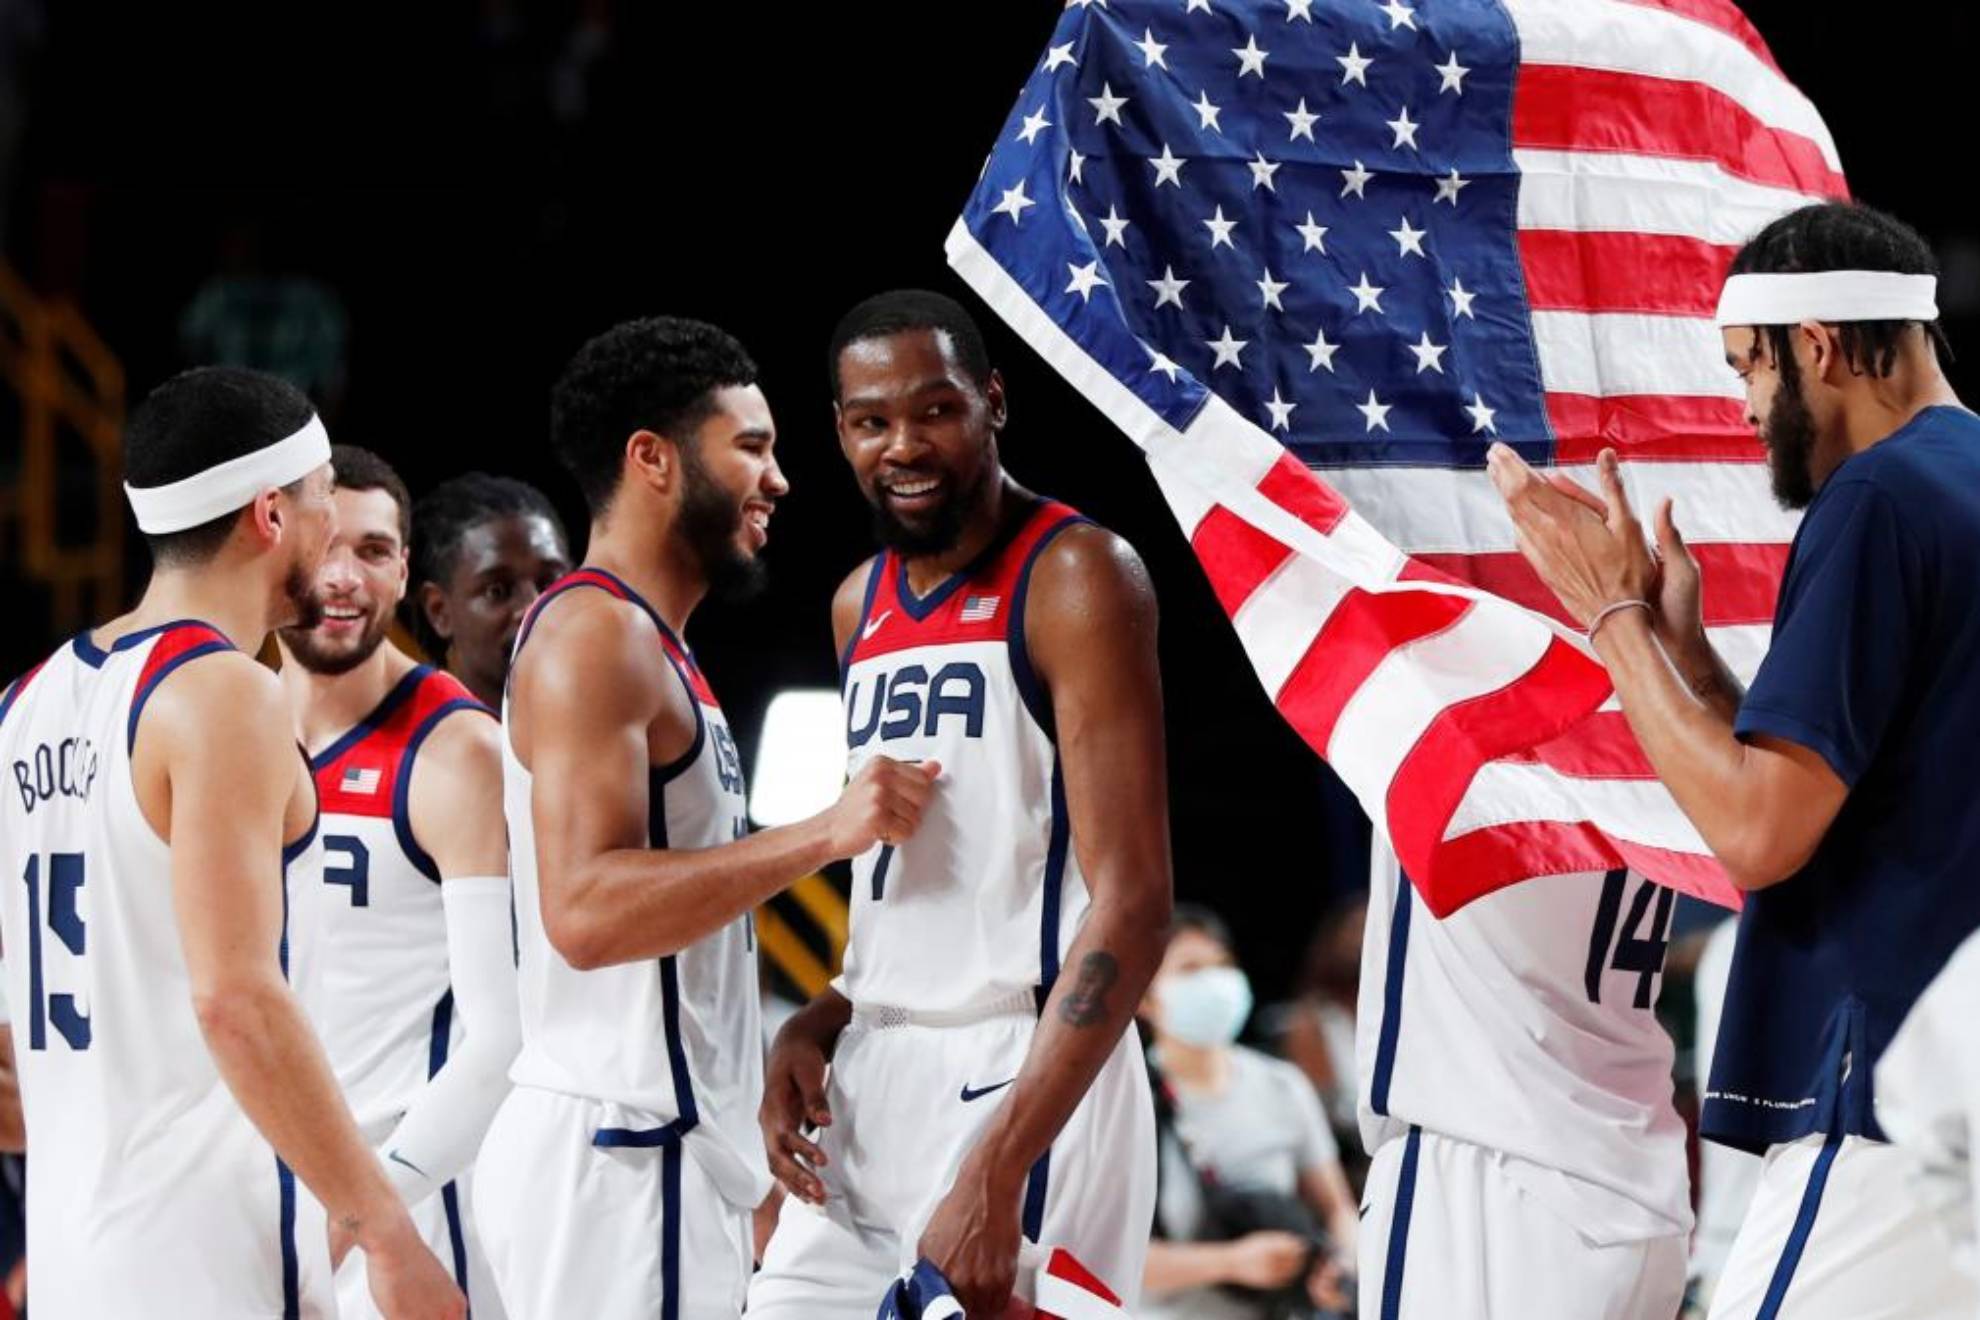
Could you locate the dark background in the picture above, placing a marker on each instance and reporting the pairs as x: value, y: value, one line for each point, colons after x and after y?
x: 481, y: 204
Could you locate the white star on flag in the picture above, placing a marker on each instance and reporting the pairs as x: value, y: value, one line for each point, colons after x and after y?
x: 1403, y: 128
x: 1375, y: 411
x: 1207, y: 112
x: 1429, y: 356
x: 1262, y: 171
x: 1057, y: 55
x: 1013, y: 203
x: 1460, y: 298
x: 1269, y: 290
x: 1453, y: 75
x: 1115, y: 226
x: 1400, y: 15
x: 1281, y: 411
x: 1312, y: 235
x: 1354, y: 64
x: 1408, y: 240
x: 1367, y: 297
x: 1151, y: 50
x: 1168, y: 167
x: 1357, y: 179
x: 1449, y: 188
x: 1302, y: 9
x: 1168, y: 289
x: 1106, y: 106
x: 1302, y: 121
x: 1321, y: 352
x: 1220, y: 229
x: 1159, y: 361
x: 1034, y: 124
x: 1481, y: 416
x: 1084, y: 278
x: 1250, y: 58
x: 1227, y: 350
x: 1074, y: 163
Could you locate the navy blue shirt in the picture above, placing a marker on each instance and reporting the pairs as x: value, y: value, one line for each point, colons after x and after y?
x: 1875, y: 665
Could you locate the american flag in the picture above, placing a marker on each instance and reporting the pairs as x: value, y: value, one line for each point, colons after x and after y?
x: 360, y: 781
x: 980, y: 609
x: 1314, y: 258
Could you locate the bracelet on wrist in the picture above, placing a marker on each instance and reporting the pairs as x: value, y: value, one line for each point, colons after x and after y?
x: 1616, y: 607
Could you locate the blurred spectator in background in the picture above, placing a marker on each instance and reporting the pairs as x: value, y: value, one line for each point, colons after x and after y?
x: 246, y: 315
x: 1315, y: 1029
x: 483, y: 548
x: 1254, y: 1219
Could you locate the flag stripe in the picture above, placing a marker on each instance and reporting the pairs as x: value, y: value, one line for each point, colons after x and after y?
x: 1352, y: 644
x: 1599, y: 110
x: 1550, y: 847
x: 1724, y: 16
x: 1603, y: 272
x: 1615, y: 192
x: 1669, y: 49
x: 1693, y: 428
x: 1742, y: 581
x: 1631, y: 353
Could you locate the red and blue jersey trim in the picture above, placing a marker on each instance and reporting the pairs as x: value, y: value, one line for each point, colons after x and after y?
x: 14, y: 690
x: 178, y: 644
x: 368, y: 771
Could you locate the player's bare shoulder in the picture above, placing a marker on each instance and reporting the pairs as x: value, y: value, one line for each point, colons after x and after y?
x: 589, y: 658
x: 457, y: 780
x: 849, y: 600
x: 1087, y: 581
x: 224, y: 700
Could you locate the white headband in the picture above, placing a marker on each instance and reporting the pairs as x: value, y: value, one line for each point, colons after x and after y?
x: 231, y: 485
x: 1827, y: 295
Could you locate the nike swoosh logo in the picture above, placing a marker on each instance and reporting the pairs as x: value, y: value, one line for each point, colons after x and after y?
x: 397, y: 1158
x: 866, y: 633
x: 969, y: 1095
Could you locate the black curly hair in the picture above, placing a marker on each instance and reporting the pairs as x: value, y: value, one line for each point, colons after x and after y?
x: 659, y: 374
x: 1843, y: 236
x: 443, y: 517
x: 901, y: 310
x: 360, y: 469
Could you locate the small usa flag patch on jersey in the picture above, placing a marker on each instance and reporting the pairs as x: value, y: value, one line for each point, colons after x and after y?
x: 363, y: 781
x: 980, y: 609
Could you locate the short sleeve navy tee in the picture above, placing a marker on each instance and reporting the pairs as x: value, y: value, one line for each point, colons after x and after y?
x: 1875, y: 665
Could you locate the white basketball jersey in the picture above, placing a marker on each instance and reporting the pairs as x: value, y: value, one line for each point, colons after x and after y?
x: 1524, y: 1023
x: 983, y: 901
x: 386, y: 1008
x: 677, y: 1040
x: 149, y: 1192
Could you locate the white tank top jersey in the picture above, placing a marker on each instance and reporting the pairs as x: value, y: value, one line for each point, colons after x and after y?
x: 1524, y: 1023
x: 386, y: 1012
x: 677, y: 1041
x: 149, y: 1193
x: 980, y: 905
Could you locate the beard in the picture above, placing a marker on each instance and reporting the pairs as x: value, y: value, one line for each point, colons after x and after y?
x: 941, y: 528
x: 1789, y: 434
x: 299, y: 589
x: 711, y: 522
x: 329, y: 661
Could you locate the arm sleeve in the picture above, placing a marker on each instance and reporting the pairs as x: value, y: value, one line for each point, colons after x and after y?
x: 442, y: 1128
x: 1845, y: 633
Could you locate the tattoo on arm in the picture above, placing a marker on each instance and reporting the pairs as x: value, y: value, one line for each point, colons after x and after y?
x: 1086, y: 1006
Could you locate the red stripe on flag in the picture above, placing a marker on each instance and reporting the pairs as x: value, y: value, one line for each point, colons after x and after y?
x: 1561, y: 107
x: 1293, y: 487
x: 1562, y: 686
x: 1697, y: 428
x: 1571, y: 271
x: 1511, y: 852
x: 1599, y: 747
x: 1720, y: 14
x: 1742, y: 580
x: 1235, y: 556
x: 1358, y: 636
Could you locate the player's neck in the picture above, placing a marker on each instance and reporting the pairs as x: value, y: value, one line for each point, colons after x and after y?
x: 1004, y: 501
x: 1194, y: 1067
x: 653, y: 562
x: 234, y: 601
x: 1887, y: 403
x: 327, y: 706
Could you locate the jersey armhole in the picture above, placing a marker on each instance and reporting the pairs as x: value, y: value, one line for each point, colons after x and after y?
x: 873, y: 573
x: 177, y: 647
x: 1036, y: 699
x: 661, y: 775
x: 402, y: 827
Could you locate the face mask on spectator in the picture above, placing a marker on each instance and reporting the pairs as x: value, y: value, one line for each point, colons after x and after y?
x: 1206, y: 1007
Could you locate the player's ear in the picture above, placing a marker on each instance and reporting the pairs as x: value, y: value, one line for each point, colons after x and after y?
x: 433, y: 605
x: 267, y: 517
x: 993, y: 395
x: 651, y: 457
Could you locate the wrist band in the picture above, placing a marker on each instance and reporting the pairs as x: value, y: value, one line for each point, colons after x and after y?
x: 1602, y: 614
